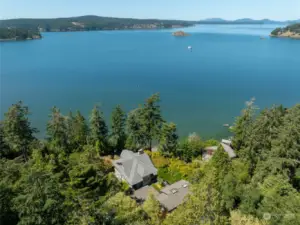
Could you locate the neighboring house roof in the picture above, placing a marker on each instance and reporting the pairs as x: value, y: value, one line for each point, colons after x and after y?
x: 229, y: 150
x: 173, y: 195
x: 227, y: 142
x: 134, y: 166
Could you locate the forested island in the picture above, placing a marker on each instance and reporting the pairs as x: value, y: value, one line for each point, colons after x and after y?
x: 68, y: 178
x: 88, y: 23
x: 291, y: 31
x: 14, y: 34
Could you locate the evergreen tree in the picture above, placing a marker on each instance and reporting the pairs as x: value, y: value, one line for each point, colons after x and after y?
x: 125, y: 210
x: 190, y: 148
x: 280, y: 200
x: 57, y: 130
x: 4, y: 148
x: 79, y: 131
x: 98, y: 130
x: 168, y: 139
x: 7, y: 214
x: 118, y: 136
x: 243, y: 125
x: 39, y: 200
x: 242, y: 130
x: 17, y: 131
x: 151, y: 119
x: 136, y: 134
x: 70, y: 130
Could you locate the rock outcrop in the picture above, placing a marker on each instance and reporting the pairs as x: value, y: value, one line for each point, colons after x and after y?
x: 180, y: 34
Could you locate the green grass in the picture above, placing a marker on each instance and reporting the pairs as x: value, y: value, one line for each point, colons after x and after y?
x: 157, y: 186
x: 169, y: 176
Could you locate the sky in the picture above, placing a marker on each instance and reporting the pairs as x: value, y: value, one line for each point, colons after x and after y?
x: 160, y: 9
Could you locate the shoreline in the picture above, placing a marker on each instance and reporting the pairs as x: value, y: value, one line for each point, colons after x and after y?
x: 134, y: 29
x: 14, y: 39
x: 287, y: 37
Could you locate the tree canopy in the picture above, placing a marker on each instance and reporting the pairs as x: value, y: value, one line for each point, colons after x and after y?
x: 68, y: 177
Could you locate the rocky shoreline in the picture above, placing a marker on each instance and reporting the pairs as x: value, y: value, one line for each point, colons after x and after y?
x: 287, y: 34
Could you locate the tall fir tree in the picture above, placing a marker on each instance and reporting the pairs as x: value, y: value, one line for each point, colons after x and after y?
x: 80, y: 131
x: 98, y: 130
x: 118, y: 136
x: 242, y: 129
x: 136, y: 134
x: 17, y: 130
x: 57, y: 130
x: 151, y: 119
x: 168, y: 139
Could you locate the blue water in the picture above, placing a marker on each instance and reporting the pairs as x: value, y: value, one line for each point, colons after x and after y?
x: 200, y: 90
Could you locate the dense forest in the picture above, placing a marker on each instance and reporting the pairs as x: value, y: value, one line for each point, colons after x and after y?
x: 86, y: 23
x: 295, y: 28
x: 19, y: 34
x: 67, y: 177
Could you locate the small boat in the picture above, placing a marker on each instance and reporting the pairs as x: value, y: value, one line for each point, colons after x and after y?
x: 226, y: 125
x: 190, y: 47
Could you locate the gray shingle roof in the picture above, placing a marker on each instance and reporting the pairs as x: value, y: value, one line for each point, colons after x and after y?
x: 229, y: 150
x: 174, y: 195
x: 134, y: 166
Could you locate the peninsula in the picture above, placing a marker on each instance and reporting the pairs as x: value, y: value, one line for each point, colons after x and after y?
x: 17, y: 34
x: 291, y: 31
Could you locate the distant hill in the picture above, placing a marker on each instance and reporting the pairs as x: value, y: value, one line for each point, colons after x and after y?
x: 90, y: 22
x: 291, y: 31
x: 215, y: 20
x: 84, y: 23
x: 245, y: 21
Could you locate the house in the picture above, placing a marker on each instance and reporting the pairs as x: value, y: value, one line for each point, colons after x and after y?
x: 170, y: 197
x: 136, y: 169
x: 173, y: 195
x: 227, y: 146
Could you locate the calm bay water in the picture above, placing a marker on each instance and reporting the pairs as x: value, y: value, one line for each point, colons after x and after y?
x: 200, y: 90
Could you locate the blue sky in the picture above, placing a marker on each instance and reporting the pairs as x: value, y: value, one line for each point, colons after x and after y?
x: 162, y: 9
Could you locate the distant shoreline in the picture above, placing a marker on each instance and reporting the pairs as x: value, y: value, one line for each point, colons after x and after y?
x: 17, y: 40
x: 14, y: 39
x: 296, y: 37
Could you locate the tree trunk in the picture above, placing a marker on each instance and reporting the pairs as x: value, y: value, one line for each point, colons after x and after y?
x: 24, y: 153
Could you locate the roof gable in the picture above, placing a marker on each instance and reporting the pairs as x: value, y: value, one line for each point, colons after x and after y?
x: 134, y: 166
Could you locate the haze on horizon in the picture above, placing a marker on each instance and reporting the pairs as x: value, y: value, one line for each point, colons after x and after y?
x: 167, y: 9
